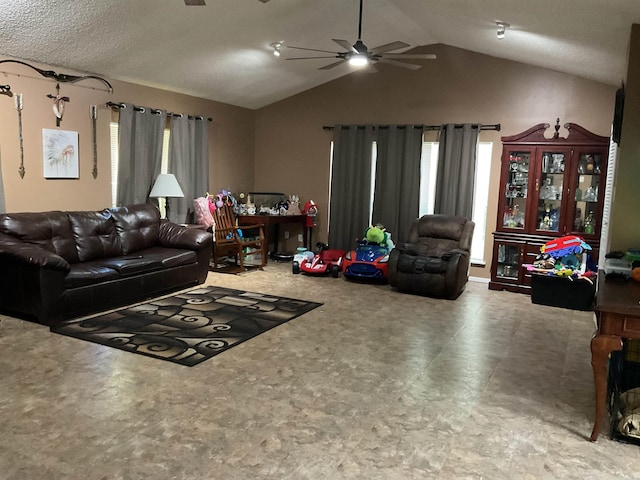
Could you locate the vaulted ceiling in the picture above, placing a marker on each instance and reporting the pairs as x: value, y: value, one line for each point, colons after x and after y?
x: 221, y: 50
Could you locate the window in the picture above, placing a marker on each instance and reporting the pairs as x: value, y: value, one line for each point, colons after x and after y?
x: 374, y: 159
x: 428, y: 172
x: 480, y: 201
x: 114, y: 161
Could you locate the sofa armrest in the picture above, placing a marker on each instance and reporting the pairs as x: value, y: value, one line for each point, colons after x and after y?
x: 457, y: 273
x: 16, y: 250
x: 176, y: 236
x: 456, y: 251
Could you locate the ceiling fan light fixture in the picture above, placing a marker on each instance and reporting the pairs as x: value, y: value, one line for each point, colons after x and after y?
x: 358, y: 60
x: 502, y: 28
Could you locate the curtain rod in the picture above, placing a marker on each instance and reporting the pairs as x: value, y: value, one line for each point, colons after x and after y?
x: 423, y: 127
x: 155, y: 111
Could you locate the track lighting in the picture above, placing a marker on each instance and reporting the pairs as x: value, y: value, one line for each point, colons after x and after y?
x: 502, y: 27
x: 276, y: 46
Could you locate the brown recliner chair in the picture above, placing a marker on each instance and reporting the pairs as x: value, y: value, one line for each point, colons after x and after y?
x: 435, y: 259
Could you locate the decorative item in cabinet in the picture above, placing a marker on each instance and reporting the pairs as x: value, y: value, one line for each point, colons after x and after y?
x: 550, y: 186
x: 516, y: 189
x: 508, y: 261
x: 586, y: 201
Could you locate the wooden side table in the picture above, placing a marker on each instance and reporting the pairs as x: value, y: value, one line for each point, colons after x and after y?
x: 618, y: 315
x: 276, y: 221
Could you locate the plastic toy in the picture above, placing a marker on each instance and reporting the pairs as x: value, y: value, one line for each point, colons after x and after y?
x: 564, y: 257
x: 370, y: 258
x: 563, y: 246
x: 324, y: 261
x: 310, y: 209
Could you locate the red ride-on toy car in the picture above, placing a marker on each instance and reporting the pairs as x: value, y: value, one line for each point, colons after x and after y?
x: 325, y: 261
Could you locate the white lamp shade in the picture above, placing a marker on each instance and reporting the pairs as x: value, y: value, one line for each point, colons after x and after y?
x: 166, y: 185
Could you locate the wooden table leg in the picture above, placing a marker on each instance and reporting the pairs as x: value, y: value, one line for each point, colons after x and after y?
x: 601, y: 348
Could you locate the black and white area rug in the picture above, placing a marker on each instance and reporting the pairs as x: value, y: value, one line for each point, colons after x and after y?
x: 187, y: 328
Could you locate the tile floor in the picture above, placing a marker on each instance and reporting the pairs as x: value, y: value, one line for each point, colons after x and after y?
x: 374, y: 384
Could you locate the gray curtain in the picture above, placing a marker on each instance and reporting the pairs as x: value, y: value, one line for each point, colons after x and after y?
x: 189, y: 162
x: 3, y: 207
x: 456, y: 169
x: 397, y: 190
x: 350, y: 185
x: 140, y: 131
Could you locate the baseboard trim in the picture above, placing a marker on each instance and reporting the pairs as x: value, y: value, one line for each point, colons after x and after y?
x: 479, y: 279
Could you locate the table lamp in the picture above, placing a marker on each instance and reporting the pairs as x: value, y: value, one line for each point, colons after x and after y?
x: 166, y: 186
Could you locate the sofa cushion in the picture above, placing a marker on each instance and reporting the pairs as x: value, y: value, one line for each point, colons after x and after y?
x: 95, y: 235
x: 170, y: 257
x: 130, y: 264
x: 48, y: 230
x: 137, y: 226
x: 88, y: 273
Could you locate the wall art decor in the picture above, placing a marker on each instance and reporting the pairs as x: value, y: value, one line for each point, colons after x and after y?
x: 60, y: 153
x: 18, y: 103
x: 58, y: 104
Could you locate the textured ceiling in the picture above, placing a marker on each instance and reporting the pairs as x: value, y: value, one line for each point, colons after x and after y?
x: 220, y: 51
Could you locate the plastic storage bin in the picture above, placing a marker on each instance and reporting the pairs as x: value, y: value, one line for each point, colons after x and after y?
x: 562, y: 292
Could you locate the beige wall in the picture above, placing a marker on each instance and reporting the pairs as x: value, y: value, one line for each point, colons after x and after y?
x: 292, y: 149
x: 625, y: 227
x: 283, y: 147
x: 230, y: 139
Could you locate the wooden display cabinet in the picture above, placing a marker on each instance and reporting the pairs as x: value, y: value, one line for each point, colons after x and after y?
x: 549, y: 187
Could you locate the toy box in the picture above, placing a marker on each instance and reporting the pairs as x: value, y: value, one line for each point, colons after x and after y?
x: 562, y: 292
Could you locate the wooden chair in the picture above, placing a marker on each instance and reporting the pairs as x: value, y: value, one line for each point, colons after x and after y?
x: 229, y: 243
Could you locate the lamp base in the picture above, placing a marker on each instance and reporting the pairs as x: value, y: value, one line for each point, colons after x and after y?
x: 166, y: 208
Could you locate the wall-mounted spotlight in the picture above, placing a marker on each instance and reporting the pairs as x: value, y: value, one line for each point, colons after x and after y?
x: 276, y: 46
x: 502, y: 28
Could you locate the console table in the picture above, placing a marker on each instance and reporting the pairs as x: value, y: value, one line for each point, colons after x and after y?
x: 618, y: 316
x: 275, y: 220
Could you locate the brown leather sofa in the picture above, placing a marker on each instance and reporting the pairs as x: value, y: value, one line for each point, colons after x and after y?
x: 435, y: 259
x: 59, y: 265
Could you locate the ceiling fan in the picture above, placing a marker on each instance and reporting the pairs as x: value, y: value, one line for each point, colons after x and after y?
x: 359, y: 55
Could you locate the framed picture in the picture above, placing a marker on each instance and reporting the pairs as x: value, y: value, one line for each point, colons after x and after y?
x: 60, y: 153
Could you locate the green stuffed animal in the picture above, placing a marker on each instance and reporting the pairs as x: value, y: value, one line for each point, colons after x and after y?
x: 378, y: 234
x: 375, y: 234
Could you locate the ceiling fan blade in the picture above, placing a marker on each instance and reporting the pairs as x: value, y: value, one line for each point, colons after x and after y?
x: 193, y: 2
x: 312, y: 49
x: 344, y: 44
x: 416, y: 56
x: 369, y: 68
x: 310, y: 58
x: 387, y: 47
x: 396, y: 63
x: 332, y: 65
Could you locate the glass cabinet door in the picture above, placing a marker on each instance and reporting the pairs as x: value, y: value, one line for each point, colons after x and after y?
x: 515, y: 190
x: 586, y: 193
x: 550, y: 190
x: 509, y: 258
